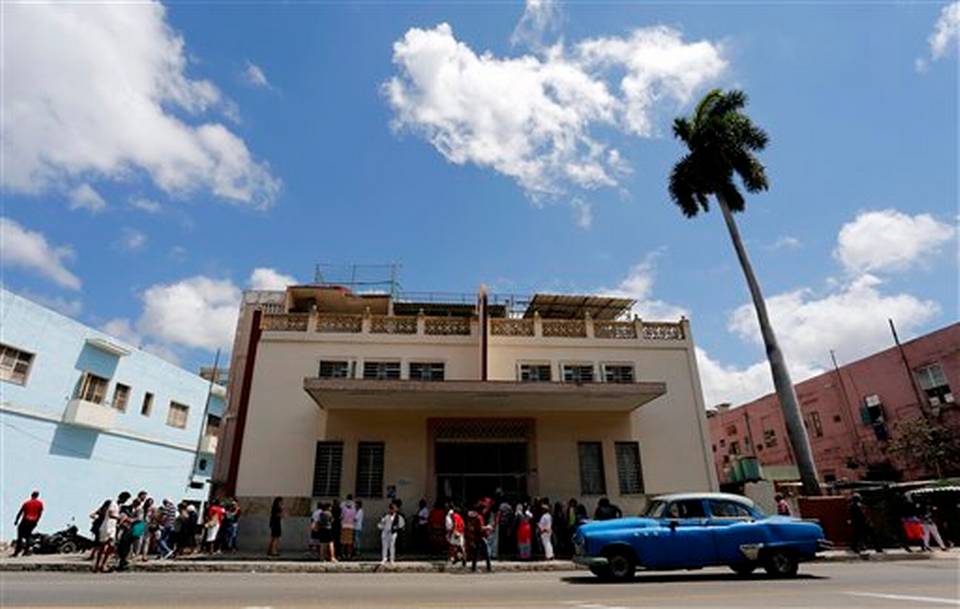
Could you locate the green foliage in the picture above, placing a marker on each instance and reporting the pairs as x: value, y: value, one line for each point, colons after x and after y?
x: 925, y: 441
x: 721, y: 140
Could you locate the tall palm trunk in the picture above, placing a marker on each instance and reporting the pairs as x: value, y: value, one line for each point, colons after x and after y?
x: 778, y: 367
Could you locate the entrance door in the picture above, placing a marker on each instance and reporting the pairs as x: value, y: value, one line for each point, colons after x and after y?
x: 468, y: 471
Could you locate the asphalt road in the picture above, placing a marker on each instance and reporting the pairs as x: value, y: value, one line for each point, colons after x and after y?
x: 872, y: 585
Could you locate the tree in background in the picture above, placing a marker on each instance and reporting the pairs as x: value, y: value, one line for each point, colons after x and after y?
x: 925, y: 441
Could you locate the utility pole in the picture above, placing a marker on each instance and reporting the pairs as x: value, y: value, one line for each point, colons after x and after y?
x: 906, y: 366
x: 846, y: 400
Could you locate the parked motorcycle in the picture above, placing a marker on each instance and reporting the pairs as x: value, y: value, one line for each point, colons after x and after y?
x: 66, y: 541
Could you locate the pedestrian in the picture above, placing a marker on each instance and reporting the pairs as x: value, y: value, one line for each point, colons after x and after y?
x: 150, y: 534
x: 783, y: 508
x: 929, y: 521
x: 231, y: 525
x: 211, y: 527
x: 348, y: 516
x: 477, y: 532
x: 166, y: 520
x: 358, y: 529
x: 129, y: 530
x: 455, y: 535
x: 390, y: 526
x: 545, y: 528
x: 276, y: 526
x: 26, y: 521
x: 524, y: 532
x: 335, y: 509
x: 323, y: 519
x: 862, y: 531
x: 561, y: 533
x: 421, y: 531
x: 606, y: 510
x: 107, y: 534
x: 437, y: 528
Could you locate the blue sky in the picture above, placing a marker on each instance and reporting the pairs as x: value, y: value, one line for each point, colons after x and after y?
x: 159, y: 159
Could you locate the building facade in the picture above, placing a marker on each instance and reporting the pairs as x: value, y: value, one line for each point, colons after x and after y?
x: 380, y: 397
x: 84, y: 416
x: 850, y: 413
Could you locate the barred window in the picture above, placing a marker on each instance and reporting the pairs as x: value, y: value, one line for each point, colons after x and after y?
x: 177, y: 415
x: 426, y: 371
x: 577, y: 374
x: 535, y: 373
x: 934, y: 384
x: 121, y: 395
x: 629, y: 468
x: 370, y: 469
x: 326, y: 469
x: 381, y: 371
x: 592, y: 480
x: 769, y: 438
x: 335, y: 369
x: 617, y: 373
x: 14, y: 365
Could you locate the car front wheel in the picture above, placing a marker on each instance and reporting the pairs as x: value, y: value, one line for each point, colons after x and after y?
x: 620, y: 565
x: 781, y: 563
x: 744, y: 568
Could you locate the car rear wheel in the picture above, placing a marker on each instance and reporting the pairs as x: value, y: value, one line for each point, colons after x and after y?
x: 620, y: 565
x: 781, y: 563
x: 744, y: 568
x: 601, y: 572
x: 68, y: 547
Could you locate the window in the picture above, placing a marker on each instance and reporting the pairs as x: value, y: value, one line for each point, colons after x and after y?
x: 731, y: 430
x: 93, y: 388
x: 147, y: 407
x: 769, y: 438
x: 722, y: 442
x: 836, y: 418
x: 370, y: 469
x: 734, y: 447
x: 335, y: 370
x: 688, y: 508
x: 934, y: 384
x: 426, y: 371
x: 577, y: 373
x: 381, y: 371
x: 629, y: 470
x: 728, y: 509
x: 535, y: 373
x: 592, y: 480
x: 121, y: 394
x: 213, y: 425
x: 817, y: 425
x: 14, y: 365
x: 617, y: 373
x: 177, y: 415
x: 326, y: 469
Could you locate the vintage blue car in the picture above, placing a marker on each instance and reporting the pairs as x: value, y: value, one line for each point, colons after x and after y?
x: 694, y: 530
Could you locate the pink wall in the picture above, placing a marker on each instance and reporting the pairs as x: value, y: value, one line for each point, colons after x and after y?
x: 844, y: 435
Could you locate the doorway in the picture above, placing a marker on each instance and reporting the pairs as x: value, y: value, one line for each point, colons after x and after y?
x: 467, y: 471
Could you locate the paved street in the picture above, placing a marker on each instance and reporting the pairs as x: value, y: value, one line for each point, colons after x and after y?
x: 897, y: 584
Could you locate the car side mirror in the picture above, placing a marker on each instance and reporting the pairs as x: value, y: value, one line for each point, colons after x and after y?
x: 674, y: 524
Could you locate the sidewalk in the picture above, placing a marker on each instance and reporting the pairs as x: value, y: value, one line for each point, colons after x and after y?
x: 300, y: 563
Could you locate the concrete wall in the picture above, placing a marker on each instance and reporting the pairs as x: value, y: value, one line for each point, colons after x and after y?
x: 76, y: 468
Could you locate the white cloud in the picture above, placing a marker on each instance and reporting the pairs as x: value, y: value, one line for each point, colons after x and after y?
x: 255, y: 76
x: 889, y: 240
x: 197, y: 312
x: 946, y: 31
x: 132, y: 239
x: 531, y: 118
x: 100, y: 90
x: 147, y: 205
x: 582, y: 212
x: 85, y: 197
x: 20, y: 247
x: 540, y: 17
x: 270, y: 279
x: 121, y: 328
x: 638, y: 285
x: 786, y: 243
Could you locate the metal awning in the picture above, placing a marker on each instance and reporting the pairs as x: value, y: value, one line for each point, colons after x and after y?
x: 108, y: 346
x: 356, y: 394
x: 566, y: 306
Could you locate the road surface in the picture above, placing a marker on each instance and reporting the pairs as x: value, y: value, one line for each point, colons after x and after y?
x: 932, y: 583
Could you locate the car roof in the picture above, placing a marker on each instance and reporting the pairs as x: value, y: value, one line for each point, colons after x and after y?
x: 725, y: 496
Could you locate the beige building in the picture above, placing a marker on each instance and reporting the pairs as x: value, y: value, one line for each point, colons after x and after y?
x: 333, y: 392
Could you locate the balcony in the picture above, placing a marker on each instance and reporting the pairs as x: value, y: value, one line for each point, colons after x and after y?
x: 88, y: 414
x: 507, y: 327
x: 208, y: 444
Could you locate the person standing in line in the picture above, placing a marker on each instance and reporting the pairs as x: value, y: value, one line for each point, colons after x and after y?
x: 130, y: 529
x: 390, y: 526
x: 336, y: 511
x: 231, y: 524
x: 524, y: 532
x: 455, y: 535
x: 545, y: 528
x: 26, y: 521
x: 108, y: 531
x: 211, y: 527
x: 358, y: 529
x: 166, y: 519
x: 348, y: 516
x: 860, y: 523
x: 477, y: 533
x: 151, y: 528
x: 276, y: 526
x: 783, y: 508
x: 930, y: 529
x: 421, y: 527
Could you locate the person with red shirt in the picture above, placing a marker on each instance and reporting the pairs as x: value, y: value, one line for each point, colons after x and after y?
x: 26, y: 521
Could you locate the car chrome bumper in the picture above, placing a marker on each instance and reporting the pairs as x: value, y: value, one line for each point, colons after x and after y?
x: 824, y: 545
x: 591, y: 561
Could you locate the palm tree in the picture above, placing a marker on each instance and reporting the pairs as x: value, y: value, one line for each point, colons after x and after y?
x: 722, y: 140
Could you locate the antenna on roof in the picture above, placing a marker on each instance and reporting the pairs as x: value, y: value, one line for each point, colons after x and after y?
x: 360, y: 277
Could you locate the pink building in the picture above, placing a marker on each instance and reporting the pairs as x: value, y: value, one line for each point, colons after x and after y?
x: 849, y: 415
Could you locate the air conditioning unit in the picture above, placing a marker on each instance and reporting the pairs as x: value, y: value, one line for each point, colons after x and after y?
x: 948, y: 398
x: 872, y: 400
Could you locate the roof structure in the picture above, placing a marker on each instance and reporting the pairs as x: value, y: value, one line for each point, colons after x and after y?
x: 567, y: 306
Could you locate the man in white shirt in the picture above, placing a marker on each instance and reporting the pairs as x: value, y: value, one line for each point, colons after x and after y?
x: 545, y: 526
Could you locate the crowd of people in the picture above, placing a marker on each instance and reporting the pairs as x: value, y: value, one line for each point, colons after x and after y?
x: 137, y: 528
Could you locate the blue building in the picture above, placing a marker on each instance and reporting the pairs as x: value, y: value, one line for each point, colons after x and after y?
x: 84, y: 416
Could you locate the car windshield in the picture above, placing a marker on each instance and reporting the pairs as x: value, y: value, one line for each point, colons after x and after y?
x: 655, y: 509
